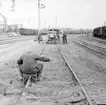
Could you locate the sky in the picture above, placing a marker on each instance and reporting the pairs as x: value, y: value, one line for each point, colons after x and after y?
x: 86, y: 14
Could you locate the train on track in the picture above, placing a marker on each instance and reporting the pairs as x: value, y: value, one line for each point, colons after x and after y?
x: 25, y: 31
x: 100, y: 32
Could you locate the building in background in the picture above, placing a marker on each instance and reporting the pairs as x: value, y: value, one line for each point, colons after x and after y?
x: 14, y: 28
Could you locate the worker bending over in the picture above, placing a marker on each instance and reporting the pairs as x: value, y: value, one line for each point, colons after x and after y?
x: 28, y: 64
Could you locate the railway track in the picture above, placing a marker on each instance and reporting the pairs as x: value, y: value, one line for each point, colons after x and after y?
x: 94, y: 39
x: 76, y: 78
x: 62, y: 83
x: 14, y: 39
x: 24, y: 91
x: 91, y: 49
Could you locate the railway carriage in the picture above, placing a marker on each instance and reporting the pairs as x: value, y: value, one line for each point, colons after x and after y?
x: 100, y: 32
x: 25, y: 31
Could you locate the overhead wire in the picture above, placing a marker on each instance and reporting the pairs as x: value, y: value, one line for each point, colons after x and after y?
x: 26, y: 1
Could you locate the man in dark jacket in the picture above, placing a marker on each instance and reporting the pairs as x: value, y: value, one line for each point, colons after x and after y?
x: 64, y: 38
x: 28, y: 64
x: 40, y: 39
x: 58, y: 37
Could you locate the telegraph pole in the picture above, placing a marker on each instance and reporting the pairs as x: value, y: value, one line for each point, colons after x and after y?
x: 13, y: 6
x: 40, y: 6
x: 45, y: 24
x: 104, y: 23
x: 55, y: 22
x: 39, y: 17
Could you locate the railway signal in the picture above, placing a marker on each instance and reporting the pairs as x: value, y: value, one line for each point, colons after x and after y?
x: 40, y: 6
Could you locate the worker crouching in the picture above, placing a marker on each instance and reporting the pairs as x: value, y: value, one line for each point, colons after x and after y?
x: 28, y: 64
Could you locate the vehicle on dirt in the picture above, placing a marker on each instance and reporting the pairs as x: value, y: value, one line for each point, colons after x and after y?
x: 51, y: 37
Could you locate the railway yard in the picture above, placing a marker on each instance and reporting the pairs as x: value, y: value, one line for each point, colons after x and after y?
x: 75, y: 75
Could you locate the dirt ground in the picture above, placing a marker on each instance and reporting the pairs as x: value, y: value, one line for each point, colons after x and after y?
x: 90, y: 68
x: 9, y: 73
x: 55, y: 88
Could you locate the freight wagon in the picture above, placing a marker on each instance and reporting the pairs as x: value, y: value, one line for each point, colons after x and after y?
x: 25, y: 31
x: 100, y: 32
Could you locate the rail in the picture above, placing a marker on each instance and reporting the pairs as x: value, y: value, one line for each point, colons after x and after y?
x: 90, y: 48
x: 28, y: 82
x: 13, y: 40
x: 72, y: 71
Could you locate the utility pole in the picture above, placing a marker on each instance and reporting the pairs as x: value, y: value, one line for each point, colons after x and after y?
x: 104, y: 23
x: 38, y: 21
x: 0, y: 6
x: 45, y: 24
x: 55, y: 22
x: 13, y: 6
x: 40, y: 6
x: 39, y: 17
